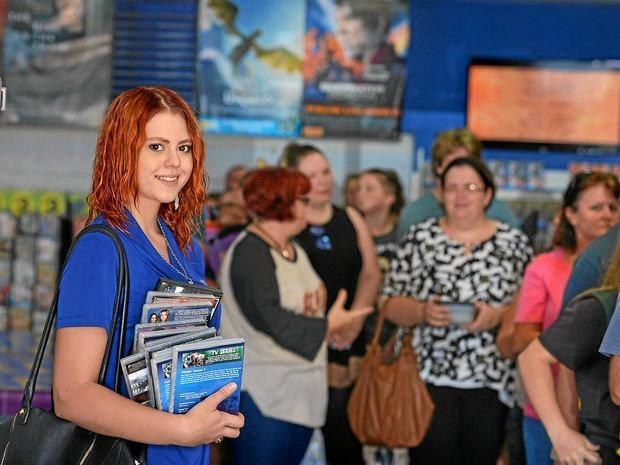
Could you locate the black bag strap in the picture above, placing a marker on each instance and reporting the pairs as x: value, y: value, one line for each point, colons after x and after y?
x: 119, y: 312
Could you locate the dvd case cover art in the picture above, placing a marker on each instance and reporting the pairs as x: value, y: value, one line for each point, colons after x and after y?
x: 161, y: 372
x: 202, y: 368
x: 136, y: 375
x: 178, y: 287
x: 161, y: 313
x: 169, y: 342
x: 197, y: 324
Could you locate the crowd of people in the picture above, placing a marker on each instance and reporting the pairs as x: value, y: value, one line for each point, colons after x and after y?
x: 412, y: 262
x: 520, y: 353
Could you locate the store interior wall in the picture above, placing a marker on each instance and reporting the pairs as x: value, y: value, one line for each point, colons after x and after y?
x: 446, y: 34
x: 44, y: 158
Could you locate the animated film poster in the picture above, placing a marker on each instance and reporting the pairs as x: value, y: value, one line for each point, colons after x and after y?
x: 249, y: 66
x: 354, y: 67
x: 57, y: 56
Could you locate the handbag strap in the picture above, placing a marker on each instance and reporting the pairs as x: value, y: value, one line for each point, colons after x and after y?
x: 119, y: 311
x: 406, y: 335
x: 378, y: 329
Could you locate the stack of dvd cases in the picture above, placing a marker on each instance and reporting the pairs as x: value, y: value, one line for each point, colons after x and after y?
x: 178, y: 359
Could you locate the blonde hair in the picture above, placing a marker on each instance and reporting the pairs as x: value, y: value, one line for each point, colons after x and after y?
x: 451, y: 140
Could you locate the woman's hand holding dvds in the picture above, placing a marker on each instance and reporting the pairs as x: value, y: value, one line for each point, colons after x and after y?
x: 344, y: 325
x: 205, y: 424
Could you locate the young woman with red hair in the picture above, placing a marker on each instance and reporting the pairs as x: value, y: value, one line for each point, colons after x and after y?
x: 277, y: 303
x: 149, y: 184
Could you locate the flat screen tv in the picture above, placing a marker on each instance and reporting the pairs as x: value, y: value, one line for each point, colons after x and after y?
x: 557, y: 104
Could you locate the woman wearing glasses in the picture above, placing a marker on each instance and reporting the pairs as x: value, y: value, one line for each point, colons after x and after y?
x: 343, y: 254
x: 466, y: 258
x: 589, y: 210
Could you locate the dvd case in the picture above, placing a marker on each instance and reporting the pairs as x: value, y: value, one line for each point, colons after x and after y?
x: 199, y: 369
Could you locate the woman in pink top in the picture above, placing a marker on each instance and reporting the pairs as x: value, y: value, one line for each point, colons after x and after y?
x: 589, y: 209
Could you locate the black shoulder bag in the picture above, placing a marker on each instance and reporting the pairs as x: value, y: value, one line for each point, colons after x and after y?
x: 38, y: 437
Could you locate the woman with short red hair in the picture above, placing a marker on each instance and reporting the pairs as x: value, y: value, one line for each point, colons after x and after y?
x: 276, y: 302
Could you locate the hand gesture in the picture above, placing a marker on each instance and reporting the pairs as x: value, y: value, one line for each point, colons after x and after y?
x: 436, y: 314
x: 204, y: 423
x: 344, y: 325
x: 572, y: 448
x: 487, y: 317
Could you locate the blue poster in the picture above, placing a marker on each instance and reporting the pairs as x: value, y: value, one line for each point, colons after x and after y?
x: 249, y: 66
x: 354, y: 67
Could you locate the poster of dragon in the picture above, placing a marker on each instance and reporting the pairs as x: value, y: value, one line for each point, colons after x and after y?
x: 249, y: 66
x: 57, y: 56
x: 354, y: 67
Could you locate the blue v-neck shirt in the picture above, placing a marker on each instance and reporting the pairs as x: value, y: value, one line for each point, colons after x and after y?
x: 86, y: 299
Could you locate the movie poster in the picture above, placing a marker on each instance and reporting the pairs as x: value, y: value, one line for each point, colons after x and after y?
x: 354, y: 67
x: 57, y: 56
x: 249, y: 66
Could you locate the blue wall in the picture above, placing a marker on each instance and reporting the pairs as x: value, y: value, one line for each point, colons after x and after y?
x: 447, y: 34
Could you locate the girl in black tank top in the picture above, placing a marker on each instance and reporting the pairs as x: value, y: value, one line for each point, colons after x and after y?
x: 334, y: 253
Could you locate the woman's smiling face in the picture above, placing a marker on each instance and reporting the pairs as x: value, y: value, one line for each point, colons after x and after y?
x: 165, y: 160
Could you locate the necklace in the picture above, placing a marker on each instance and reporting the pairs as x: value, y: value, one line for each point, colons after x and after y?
x: 285, y: 253
x: 181, y: 271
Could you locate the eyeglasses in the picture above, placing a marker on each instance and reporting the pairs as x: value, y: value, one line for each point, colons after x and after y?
x: 470, y: 187
x: 321, y: 240
x: 304, y: 200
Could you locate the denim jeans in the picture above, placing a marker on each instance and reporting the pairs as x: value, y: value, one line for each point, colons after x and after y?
x: 537, y: 442
x: 267, y: 441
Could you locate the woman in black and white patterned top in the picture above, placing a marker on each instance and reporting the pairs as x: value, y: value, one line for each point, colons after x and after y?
x: 467, y: 258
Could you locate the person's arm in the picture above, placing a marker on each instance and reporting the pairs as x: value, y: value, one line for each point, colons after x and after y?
x: 524, y: 334
x: 505, y: 336
x: 571, y: 447
x: 573, y: 341
x: 531, y: 305
x: 79, y: 399
x: 568, y: 399
x: 369, y: 279
x: 402, y: 310
x: 614, y: 379
x: 396, y: 301
x: 255, y: 288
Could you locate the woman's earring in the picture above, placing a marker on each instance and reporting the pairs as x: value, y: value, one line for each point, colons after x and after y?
x: 176, y: 202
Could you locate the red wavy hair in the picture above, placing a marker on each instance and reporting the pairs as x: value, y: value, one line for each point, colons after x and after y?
x: 122, y: 135
x: 270, y: 193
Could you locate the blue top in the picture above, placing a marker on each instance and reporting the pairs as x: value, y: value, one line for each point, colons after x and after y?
x: 427, y: 206
x: 591, y: 265
x: 88, y: 287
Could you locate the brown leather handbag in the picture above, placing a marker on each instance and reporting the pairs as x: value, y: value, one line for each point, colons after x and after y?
x: 390, y: 405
